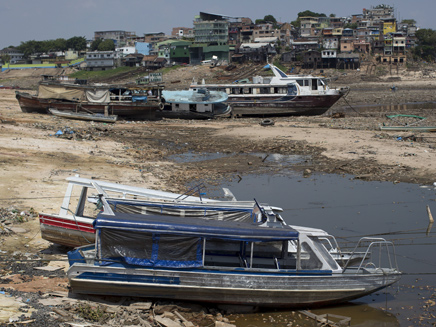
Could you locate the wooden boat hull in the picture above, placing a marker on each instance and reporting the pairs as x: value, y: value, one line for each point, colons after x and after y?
x: 282, y: 105
x: 277, y: 289
x: 30, y: 103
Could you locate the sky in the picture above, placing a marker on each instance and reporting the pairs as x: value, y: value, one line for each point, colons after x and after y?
x: 24, y: 20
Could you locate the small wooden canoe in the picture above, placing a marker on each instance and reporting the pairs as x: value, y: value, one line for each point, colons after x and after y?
x: 83, y: 116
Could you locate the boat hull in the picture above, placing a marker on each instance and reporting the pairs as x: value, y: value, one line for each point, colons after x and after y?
x: 83, y: 116
x: 277, y: 289
x: 30, y: 103
x: 283, y: 105
x: 66, y: 230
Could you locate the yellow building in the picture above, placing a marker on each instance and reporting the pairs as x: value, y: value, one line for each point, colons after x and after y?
x: 389, y: 26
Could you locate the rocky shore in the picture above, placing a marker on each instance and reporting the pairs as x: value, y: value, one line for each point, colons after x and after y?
x: 35, y: 162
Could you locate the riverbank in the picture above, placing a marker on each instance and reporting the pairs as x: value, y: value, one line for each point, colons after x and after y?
x: 35, y: 162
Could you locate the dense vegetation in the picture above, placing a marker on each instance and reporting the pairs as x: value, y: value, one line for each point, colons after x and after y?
x: 426, y: 44
x: 77, y: 43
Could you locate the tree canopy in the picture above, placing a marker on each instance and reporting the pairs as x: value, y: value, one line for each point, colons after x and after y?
x: 408, y: 21
x: 426, y: 44
x: 308, y: 13
x: 267, y: 19
x: 77, y: 43
x: 106, y: 45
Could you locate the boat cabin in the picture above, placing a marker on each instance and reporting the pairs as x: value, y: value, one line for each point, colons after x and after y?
x: 128, y: 240
x: 279, y: 84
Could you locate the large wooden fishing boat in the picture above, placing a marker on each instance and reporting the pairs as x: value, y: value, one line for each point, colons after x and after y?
x: 125, y: 101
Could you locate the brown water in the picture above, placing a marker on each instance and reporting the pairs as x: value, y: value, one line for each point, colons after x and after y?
x: 350, y: 209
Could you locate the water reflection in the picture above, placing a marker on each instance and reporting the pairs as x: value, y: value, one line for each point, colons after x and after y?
x: 350, y: 209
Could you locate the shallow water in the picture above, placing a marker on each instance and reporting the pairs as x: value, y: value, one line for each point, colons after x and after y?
x: 350, y: 209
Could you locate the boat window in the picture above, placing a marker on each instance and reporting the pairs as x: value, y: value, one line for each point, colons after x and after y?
x: 178, y: 249
x: 300, y: 82
x: 80, y: 205
x: 146, y: 249
x: 264, y: 90
x: 247, y: 90
x: 309, y: 260
x: 124, y: 246
x: 314, y: 84
x: 306, y: 82
x: 268, y: 255
x: 226, y: 253
x: 292, y: 89
x: 322, y: 249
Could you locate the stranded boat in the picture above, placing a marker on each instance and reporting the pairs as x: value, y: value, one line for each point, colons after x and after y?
x: 125, y: 101
x: 189, y: 104
x: 221, y: 262
x: 278, y: 95
x: 73, y: 225
x: 83, y: 116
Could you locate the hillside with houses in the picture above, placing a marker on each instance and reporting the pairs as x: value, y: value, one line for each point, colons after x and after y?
x: 312, y: 41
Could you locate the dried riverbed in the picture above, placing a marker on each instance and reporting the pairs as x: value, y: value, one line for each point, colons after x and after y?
x: 34, y: 164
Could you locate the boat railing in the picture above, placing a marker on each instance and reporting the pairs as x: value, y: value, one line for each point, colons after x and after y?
x: 385, y: 248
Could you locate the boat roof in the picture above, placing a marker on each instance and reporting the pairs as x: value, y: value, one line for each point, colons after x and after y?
x: 194, y: 227
x: 120, y: 188
x: 200, y: 96
x: 280, y: 78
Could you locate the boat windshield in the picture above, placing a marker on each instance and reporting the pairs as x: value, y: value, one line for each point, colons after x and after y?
x: 323, y: 252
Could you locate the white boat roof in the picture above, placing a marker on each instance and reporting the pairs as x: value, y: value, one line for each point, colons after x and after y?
x: 194, y: 97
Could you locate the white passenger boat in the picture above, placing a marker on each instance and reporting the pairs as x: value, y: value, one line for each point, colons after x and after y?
x: 216, y: 261
x: 281, y: 94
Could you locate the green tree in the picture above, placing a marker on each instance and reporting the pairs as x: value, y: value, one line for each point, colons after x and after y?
x: 6, y: 58
x: 332, y: 15
x: 106, y: 45
x: 408, y: 21
x: 271, y: 19
x: 353, y: 26
x: 308, y: 13
x: 30, y: 47
x: 426, y: 44
x: 77, y: 43
x: 60, y: 44
x: 95, y: 44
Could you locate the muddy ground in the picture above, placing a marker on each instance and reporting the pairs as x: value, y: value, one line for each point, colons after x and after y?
x: 34, y: 163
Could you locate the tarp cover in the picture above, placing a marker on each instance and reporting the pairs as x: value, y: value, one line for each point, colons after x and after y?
x: 99, y: 96
x: 60, y: 92
x: 230, y: 214
x: 150, y: 250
